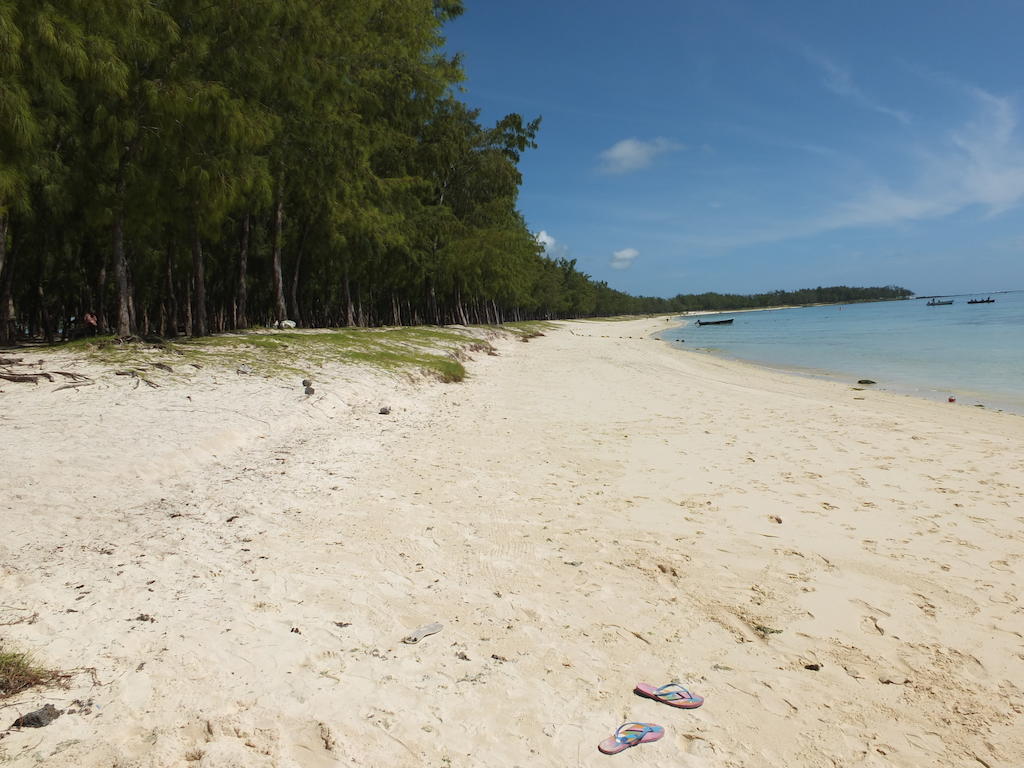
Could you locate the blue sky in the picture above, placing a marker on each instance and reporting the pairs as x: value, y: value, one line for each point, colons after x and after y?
x: 718, y: 145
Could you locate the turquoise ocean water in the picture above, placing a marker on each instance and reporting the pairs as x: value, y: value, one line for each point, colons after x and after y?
x: 972, y: 351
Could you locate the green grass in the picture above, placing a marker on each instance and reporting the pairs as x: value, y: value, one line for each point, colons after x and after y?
x: 432, y: 350
x: 528, y: 329
x: 18, y: 672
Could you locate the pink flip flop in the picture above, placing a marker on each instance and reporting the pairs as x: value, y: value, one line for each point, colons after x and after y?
x: 672, y: 694
x: 629, y: 735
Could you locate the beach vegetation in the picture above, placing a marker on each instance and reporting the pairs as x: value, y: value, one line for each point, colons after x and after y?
x: 19, y: 672
x: 434, y: 351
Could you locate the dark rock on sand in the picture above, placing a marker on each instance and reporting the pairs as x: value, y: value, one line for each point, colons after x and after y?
x: 39, y: 718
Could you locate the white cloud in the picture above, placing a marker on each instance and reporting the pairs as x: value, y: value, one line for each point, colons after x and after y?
x: 624, y: 259
x: 980, y: 164
x: 840, y: 82
x: 633, y: 154
x: 552, y: 248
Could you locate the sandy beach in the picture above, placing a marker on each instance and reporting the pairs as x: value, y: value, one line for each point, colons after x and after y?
x: 227, y: 567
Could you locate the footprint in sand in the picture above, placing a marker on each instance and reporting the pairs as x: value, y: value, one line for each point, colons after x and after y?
x: 870, y: 626
x: 697, y: 746
x: 926, y: 742
x: 1005, y: 599
x: 925, y: 606
x: 870, y: 607
x: 770, y: 700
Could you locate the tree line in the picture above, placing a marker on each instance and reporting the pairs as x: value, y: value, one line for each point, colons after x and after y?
x: 597, y: 299
x: 186, y: 167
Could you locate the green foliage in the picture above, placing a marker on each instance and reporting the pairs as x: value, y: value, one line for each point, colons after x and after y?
x: 186, y: 166
x: 431, y: 350
x: 611, y: 302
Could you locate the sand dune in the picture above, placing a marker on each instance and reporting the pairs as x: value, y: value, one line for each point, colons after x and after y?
x: 230, y: 566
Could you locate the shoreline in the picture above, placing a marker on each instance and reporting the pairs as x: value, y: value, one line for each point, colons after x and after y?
x: 999, y: 402
x: 583, y: 512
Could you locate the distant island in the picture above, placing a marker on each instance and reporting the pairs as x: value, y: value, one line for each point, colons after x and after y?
x: 614, y: 302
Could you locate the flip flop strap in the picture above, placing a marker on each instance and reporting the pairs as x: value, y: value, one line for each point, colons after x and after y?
x: 669, y: 690
x: 631, y: 737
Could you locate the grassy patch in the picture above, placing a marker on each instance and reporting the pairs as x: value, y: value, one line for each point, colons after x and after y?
x: 529, y: 329
x: 434, y: 351
x: 431, y: 350
x: 18, y: 672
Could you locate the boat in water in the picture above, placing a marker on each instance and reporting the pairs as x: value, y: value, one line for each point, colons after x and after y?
x: 989, y: 300
x: 937, y: 303
x: 716, y: 322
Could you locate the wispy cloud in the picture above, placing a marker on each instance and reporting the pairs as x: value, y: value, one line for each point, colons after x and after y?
x: 838, y: 80
x: 552, y: 248
x: 624, y: 259
x: 979, y: 164
x: 633, y: 154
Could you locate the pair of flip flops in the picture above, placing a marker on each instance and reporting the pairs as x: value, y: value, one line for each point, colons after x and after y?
x: 631, y: 734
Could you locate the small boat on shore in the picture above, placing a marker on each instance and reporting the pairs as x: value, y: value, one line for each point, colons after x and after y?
x: 716, y: 322
x: 937, y: 303
x: 989, y: 300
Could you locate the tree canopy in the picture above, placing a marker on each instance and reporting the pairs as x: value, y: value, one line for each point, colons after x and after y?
x: 184, y: 167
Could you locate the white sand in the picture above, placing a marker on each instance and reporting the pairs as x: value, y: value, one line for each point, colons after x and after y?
x: 587, y: 511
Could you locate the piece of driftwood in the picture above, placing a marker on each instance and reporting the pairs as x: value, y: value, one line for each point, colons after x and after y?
x: 10, y: 360
x: 27, y: 378
x: 73, y: 376
x: 75, y: 385
x: 138, y: 377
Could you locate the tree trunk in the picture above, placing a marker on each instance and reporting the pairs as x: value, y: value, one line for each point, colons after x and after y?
x: 133, y: 316
x: 459, y: 307
x: 101, y: 286
x: 280, y: 311
x: 349, y: 310
x: 199, y: 325
x: 3, y: 243
x: 124, y: 324
x: 188, y: 310
x: 44, y: 315
x: 433, y: 304
x: 7, y: 332
x: 172, y: 303
x: 241, y: 321
x: 294, y: 292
